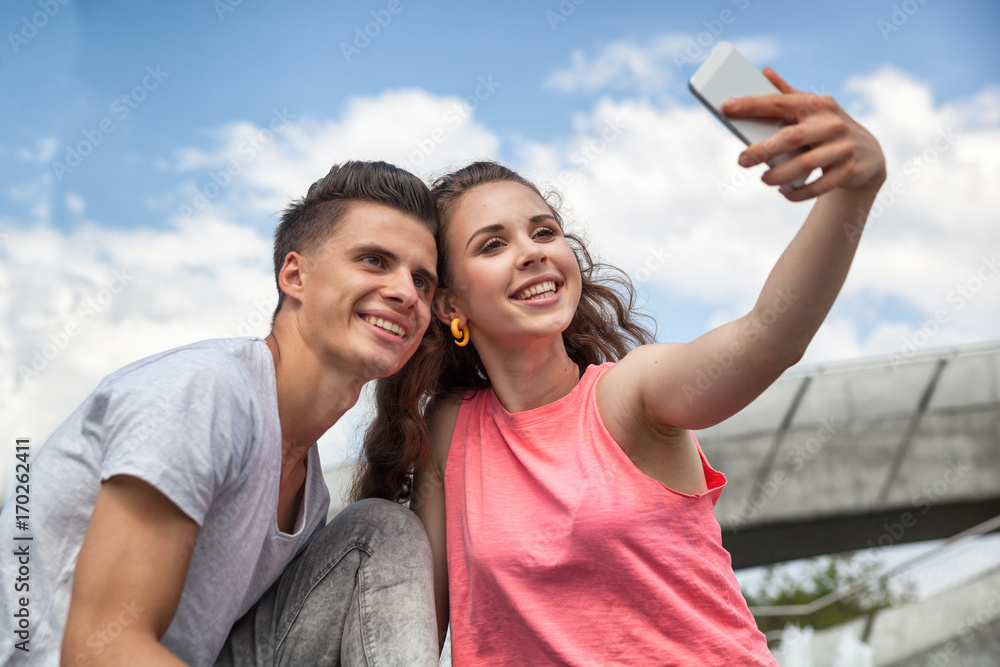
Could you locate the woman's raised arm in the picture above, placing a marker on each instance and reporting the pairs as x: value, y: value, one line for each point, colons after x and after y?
x: 695, y: 385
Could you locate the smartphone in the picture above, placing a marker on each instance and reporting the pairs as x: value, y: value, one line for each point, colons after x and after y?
x: 726, y: 73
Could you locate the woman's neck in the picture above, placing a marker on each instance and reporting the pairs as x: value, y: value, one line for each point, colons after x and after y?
x: 528, y: 377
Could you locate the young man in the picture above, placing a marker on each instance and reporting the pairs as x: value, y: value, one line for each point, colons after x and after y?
x: 178, y: 493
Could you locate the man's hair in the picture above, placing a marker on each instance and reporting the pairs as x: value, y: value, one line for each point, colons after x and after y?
x: 308, y: 222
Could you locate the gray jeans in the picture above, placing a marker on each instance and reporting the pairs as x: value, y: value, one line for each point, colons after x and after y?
x: 360, y: 594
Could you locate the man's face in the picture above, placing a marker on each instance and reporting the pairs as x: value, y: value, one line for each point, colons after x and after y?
x: 366, y: 292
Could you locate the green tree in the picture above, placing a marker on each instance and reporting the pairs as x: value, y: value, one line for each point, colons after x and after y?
x: 802, y: 583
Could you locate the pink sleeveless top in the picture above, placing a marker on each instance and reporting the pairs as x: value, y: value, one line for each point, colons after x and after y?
x: 561, y: 552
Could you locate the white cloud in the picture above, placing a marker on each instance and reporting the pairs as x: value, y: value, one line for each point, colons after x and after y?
x: 78, y: 305
x: 43, y: 151
x: 628, y: 66
x: 75, y: 204
x: 35, y: 196
x: 758, y: 50
x: 642, y: 178
x: 622, y: 65
x: 196, y: 276
x: 411, y: 128
x: 81, y: 304
x: 655, y: 188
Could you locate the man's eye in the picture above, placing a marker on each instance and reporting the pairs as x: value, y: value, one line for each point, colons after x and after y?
x: 374, y: 260
x: 420, y: 283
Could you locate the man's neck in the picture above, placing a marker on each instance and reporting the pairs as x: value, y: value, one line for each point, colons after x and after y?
x: 311, y: 396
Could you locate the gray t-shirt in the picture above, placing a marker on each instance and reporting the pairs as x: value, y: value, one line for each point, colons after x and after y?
x: 199, y: 423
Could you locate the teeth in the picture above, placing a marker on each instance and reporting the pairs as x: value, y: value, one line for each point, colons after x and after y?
x: 539, y: 291
x: 388, y: 326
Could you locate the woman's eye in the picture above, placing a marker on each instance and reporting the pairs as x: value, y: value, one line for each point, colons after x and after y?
x: 492, y: 244
x: 420, y: 283
x: 544, y: 231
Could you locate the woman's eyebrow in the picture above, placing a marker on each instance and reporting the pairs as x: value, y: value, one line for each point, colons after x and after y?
x: 488, y: 229
x: 497, y: 227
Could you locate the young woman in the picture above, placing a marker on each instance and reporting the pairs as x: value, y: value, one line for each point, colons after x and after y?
x: 568, y: 505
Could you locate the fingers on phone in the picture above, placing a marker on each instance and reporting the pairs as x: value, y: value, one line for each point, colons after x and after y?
x: 830, y: 179
x: 811, y: 136
x: 791, y: 107
x: 753, y: 106
x: 777, y: 80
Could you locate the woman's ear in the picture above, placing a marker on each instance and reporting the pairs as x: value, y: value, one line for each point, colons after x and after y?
x: 444, y: 307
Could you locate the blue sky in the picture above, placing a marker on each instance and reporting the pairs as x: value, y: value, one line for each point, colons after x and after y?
x: 239, y: 62
x: 267, y: 88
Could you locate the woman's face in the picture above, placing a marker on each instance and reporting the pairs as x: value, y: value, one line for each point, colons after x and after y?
x: 513, y: 274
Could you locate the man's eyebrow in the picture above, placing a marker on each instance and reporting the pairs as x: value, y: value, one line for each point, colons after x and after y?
x: 375, y: 249
x: 427, y: 275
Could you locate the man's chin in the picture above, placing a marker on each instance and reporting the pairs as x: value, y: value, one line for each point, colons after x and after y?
x: 377, y: 369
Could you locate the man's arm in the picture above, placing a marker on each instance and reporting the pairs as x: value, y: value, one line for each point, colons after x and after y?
x: 129, y: 576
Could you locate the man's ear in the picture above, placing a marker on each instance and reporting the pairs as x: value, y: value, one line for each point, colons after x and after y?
x: 444, y: 307
x: 291, y: 276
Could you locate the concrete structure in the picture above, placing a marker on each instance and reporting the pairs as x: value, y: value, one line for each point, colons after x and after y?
x: 850, y: 456
x: 959, y: 627
x: 861, y: 455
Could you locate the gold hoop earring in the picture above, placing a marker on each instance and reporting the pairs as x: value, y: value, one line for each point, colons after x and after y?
x: 461, y: 336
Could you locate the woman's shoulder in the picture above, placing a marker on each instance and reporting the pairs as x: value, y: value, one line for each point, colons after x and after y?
x: 442, y: 415
x: 445, y: 408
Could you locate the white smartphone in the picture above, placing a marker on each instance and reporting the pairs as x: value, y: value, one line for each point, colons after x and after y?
x: 726, y: 73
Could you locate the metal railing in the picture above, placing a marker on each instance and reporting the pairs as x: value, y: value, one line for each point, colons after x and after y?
x: 983, y: 528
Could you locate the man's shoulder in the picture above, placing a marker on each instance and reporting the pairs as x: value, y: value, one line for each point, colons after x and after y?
x: 210, y: 408
x: 221, y: 361
x: 213, y: 384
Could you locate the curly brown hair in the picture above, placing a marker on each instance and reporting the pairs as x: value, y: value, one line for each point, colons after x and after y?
x: 606, y: 327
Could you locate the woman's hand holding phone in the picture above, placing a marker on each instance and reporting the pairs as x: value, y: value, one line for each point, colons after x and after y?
x: 830, y: 140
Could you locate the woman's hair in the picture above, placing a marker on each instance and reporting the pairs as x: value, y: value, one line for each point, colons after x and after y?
x: 605, y: 328
x: 308, y: 222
